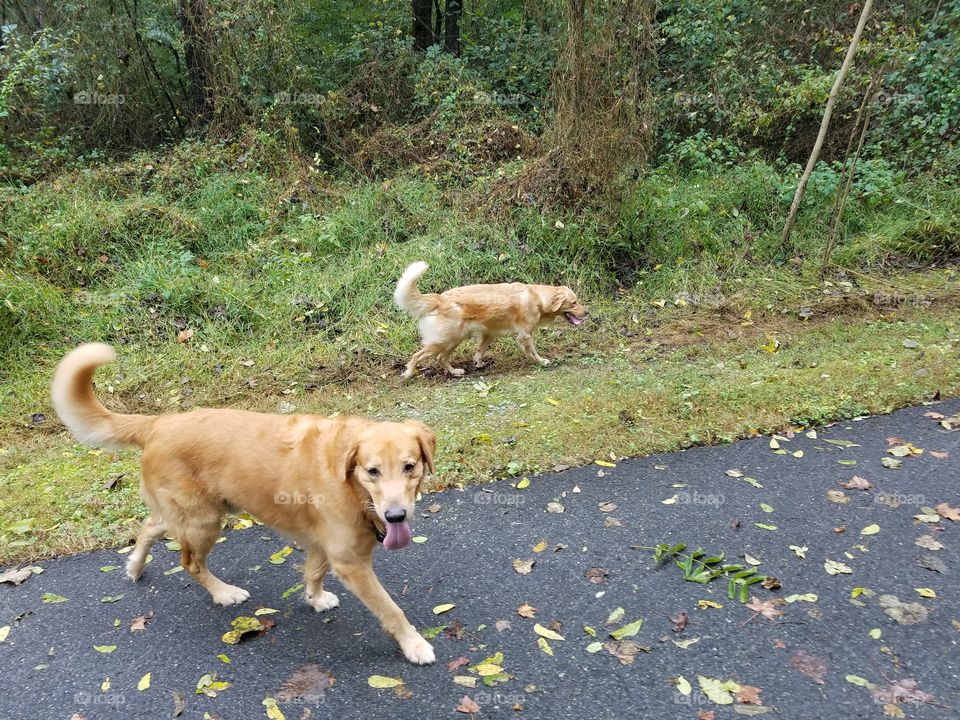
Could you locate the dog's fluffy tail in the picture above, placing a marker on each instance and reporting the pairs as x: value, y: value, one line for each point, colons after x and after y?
x: 408, y: 296
x: 81, y: 412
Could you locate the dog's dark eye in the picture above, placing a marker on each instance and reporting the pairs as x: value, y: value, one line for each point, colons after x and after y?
x: 409, y: 467
x: 373, y: 472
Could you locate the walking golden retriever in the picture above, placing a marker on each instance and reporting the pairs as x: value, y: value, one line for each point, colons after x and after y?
x: 485, y: 310
x: 333, y: 485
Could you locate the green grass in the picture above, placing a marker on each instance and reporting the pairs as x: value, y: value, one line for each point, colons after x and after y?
x: 265, y: 260
x: 628, y: 397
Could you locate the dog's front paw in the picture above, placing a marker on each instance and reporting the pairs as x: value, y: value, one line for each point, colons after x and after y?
x: 230, y: 595
x: 457, y: 372
x: 544, y: 362
x: 418, y: 651
x: 326, y: 600
x: 134, y: 570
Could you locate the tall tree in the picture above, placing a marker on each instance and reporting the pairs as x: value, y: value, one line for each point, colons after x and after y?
x: 195, y: 20
x: 422, y: 24
x: 451, y: 37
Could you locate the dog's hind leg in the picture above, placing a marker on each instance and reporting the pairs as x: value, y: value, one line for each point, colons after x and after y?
x: 485, y: 341
x: 196, y: 536
x: 444, y: 359
x: 314, y: 569
x: 153, y: 529
x: 417, y: 358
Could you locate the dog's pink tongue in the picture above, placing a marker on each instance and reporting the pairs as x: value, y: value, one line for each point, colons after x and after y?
x: 398, y: 536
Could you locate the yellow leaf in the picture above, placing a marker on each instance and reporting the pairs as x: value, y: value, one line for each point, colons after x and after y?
x: 774, y: 444
x: 552, y: 401
x: 381, y: 681
x: 223, y: 658
x: 273, y: 712
x: 704, y: 604
x: 721, y: 692
x: 870, y: 530
x: 144, y: 683
x: 926, y: 592
x: 4, y: 632
x: 545, y: 646
x: 445, y: 607
x: 523, y: 484
x: 806, y: 597
x: 604, y: 463
x: 875, y: 633
x: 683, y: 685
x: 104, y: 648
x: 265, y: 611
x: 594, y: 647
x: 487, y: 668
x: 465, y: 681
x: 547, y: 633
x: 540, y: 546
x: 857, y: 592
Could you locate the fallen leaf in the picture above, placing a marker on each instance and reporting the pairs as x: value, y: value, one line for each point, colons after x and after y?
x: 52, y: 598
x: 925, y: 592
x: 948, y: 512
x: 105, y: 648
x: 834, y: 567
x: 719, y: 691
x: 594, y: 647
x: 875, y: 633
x: 749, y: 695
x: 523, y: 567
x: 679, y: 621
x: 468, y: 706
x: 939, y: 455
x: 144, y: 683
x: 911, y: 613
x: 382, y: 682
x: 270, y: 707
x: 928, y: 542
x: 607, y: 506
x: 615, y: 616
x: 209, y: 685
x: 244, y: 625
x: 184, y: 335
x: 546, y: 632
x: 837, y: 496
x: 891, y: 463
x: 554, y: 507
x: 704, y: 604
x: 140, y: 622
x: 526, y: 610
x: 930, y: 562
x: 706, y: 715
x: 523, y: 484
x: 624, y: 650
x: 805, y: 597
x: 768, y: 608
x: 4, y: 632
x: 800, y: 552
x: 16, y: 575
x: 596, y: 575
x: 445, y: 607
x: 307, y: 684
x: 540, y: 546
x: 683, y: 685
x: 502, y: 625
x: 857, y: 483
x: 810, y: 665
x: 907, y: 690
x: 628, y: 630
x: 545, y: 646
x: 465, y: 681
x: 870, y: 530
x: 859, y: 681
x: 684, y: 644
x: 434, y: 508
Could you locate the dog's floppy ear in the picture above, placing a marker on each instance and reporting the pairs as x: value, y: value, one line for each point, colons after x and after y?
x: 427, y: 441
x: 351, y: 461
x: 560, y: 296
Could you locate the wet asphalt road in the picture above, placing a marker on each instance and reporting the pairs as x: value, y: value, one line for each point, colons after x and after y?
x: 50, y: 669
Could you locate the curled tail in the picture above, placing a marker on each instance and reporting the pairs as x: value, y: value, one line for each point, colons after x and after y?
x: 408, y: 296
x: 73, y: 399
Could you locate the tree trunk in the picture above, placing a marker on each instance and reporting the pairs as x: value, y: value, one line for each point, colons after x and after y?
x: 451, y: 38
x: 195, y: 21
x: 824, y: 124
x: 422, y: 27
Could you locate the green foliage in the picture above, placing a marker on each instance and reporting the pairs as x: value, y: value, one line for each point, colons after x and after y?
x: 700, y: 568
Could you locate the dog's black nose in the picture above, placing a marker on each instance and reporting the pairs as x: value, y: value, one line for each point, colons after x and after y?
x: 395, y: 515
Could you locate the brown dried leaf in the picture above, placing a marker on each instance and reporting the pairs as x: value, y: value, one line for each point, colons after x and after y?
x: 810, y: 665
x: 597, y: 575
x: 607, y: 506
x: 140, y: 622
x: 526, y: 610
x: 906, y: 690
x: 944, y: 510
x: 455, y: 665
x: 767, y: 608
x: 680, y: 621
x: 523, y: 567
x: 308, y: 683
x: 857, y: 483
x: 749, y: 695
x: 468, y: 706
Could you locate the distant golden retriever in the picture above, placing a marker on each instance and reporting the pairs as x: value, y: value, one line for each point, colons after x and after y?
x: 484, y: 310
x: 333, y: 485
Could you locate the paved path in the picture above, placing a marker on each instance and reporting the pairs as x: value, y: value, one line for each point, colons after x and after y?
x: 49, y: 669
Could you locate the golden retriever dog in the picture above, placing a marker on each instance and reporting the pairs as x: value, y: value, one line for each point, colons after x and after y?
x: 487, y: 311
x: 333, y: 485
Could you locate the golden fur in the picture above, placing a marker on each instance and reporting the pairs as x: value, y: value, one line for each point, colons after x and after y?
x: 326, y: 483
x: 485, y: 310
